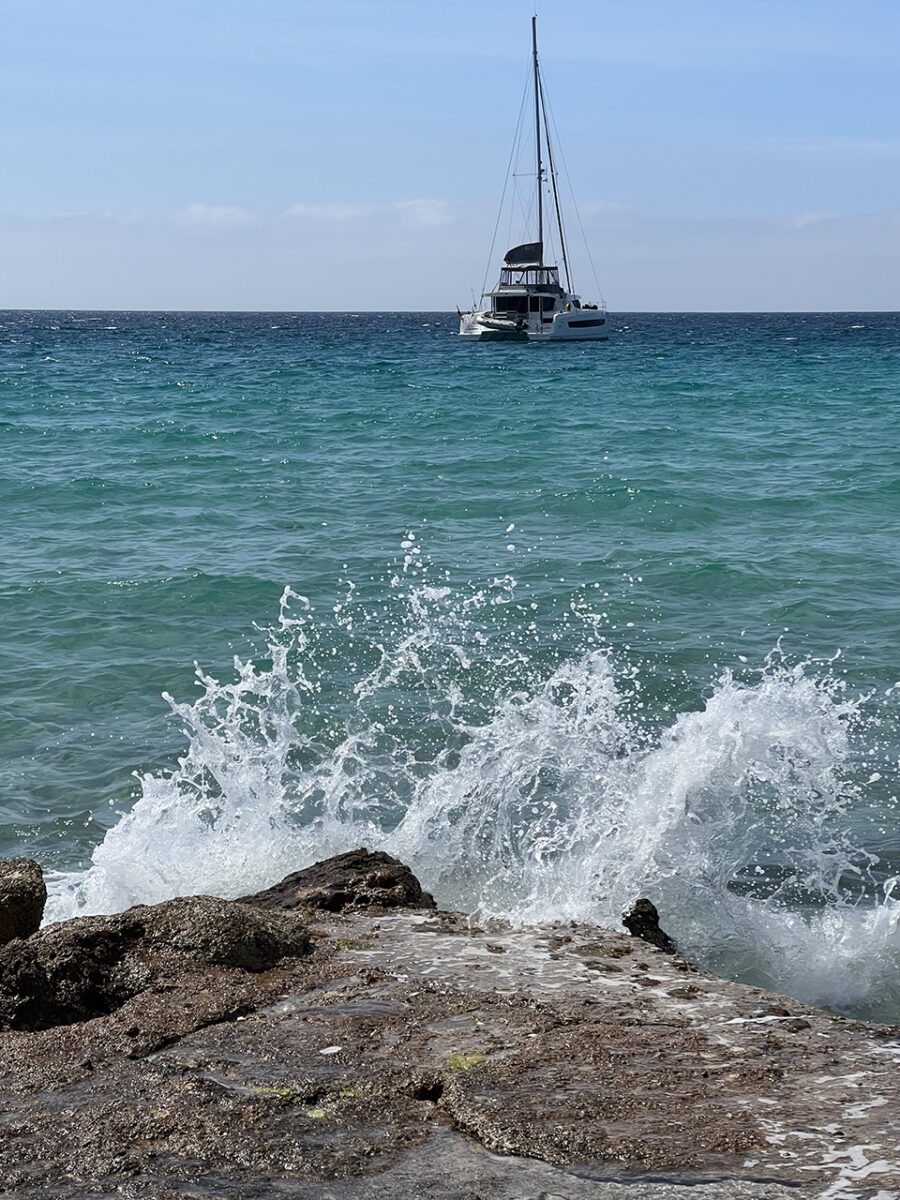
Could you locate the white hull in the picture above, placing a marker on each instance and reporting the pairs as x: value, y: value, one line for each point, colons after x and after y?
x: 577, y: 325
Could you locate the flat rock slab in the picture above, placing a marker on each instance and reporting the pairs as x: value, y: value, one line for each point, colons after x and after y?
x: 416, y: 1055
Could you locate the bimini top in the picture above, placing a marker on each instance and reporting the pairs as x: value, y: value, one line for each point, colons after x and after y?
x: 528, y: 254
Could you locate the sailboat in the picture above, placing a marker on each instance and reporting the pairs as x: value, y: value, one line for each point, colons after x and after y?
x: 529, y: 302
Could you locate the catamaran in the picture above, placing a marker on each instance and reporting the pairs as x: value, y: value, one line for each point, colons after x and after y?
x: 529, y: 302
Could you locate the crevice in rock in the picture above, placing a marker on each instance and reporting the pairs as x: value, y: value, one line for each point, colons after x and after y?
x: 428, y: 1089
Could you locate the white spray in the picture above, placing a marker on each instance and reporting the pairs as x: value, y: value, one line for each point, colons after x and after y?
x: 523, y: 784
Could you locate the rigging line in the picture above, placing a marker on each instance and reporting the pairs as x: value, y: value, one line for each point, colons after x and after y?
x: 512, y: 154
x: 539, y: 166
x: 575, y: 208
x: 559, y: 225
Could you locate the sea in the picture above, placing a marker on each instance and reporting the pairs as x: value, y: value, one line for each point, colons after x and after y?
x: 560, y: 626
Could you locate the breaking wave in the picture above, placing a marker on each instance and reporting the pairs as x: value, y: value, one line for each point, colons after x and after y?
x: 526, y: 776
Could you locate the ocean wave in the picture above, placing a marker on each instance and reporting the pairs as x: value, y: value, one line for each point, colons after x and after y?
x: 526, y: 777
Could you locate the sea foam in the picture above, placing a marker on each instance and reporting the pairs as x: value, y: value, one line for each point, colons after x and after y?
x: 523, y: 778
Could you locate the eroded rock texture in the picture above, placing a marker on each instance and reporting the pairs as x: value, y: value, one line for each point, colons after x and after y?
x: 360, y: 879
x: 23, y: 895
x: 221, y: 1050
x: 90, y: 966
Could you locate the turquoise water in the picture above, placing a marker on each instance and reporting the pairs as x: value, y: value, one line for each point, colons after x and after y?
x: 566, y: 624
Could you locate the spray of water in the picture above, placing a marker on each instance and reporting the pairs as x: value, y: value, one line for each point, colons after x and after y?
x: 521, y: 775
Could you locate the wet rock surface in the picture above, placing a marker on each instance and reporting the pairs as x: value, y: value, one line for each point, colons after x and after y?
x: 642, y: 921
x: 23, y: 895
x: 411, y: 1053
x: 359, y: 879
x: 91, y: 966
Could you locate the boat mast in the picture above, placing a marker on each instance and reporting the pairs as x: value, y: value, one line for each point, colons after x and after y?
x: 559, y: 224
x: 537, y: 137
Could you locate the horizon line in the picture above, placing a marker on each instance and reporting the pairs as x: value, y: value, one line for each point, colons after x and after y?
x: 298, y: 312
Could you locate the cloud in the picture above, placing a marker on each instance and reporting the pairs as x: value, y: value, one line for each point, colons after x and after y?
x: 329, y: 213
x: 218, y: 216
x: 804, y: 220
x: 604, y: 208
x: 424, y: 254
x: 425, y: 214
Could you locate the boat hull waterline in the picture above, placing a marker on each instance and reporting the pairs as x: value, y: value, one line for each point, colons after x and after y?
x: 579, y: 325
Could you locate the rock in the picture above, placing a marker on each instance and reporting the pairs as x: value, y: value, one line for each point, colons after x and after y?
x: 642, y: 921
x: 416, y: 1054
x: 23, y: 895
x: 409, y: 1042
x: 90, y: 966
x: 357, y: 880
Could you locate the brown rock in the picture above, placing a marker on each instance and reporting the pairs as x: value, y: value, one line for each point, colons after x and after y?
x: 91, y: 966
x: 407, y: 1057
x: 358, y: 880
x: 23, y: 895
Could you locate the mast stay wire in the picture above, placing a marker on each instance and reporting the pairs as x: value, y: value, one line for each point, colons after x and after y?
x: 562, y: 237
x: 509, y: 166
x: 575, y: 209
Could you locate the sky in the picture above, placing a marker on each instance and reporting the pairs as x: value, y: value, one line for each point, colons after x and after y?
x: 724, y: 155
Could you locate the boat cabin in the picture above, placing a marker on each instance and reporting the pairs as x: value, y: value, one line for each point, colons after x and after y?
x: 526, y: 284
x: 519, y: 302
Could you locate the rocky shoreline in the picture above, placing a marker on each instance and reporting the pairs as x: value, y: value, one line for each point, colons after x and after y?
x: 337, y: 1036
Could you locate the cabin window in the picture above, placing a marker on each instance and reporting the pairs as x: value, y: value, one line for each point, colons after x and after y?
x: 510, y: 304
x: 529, y: 277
